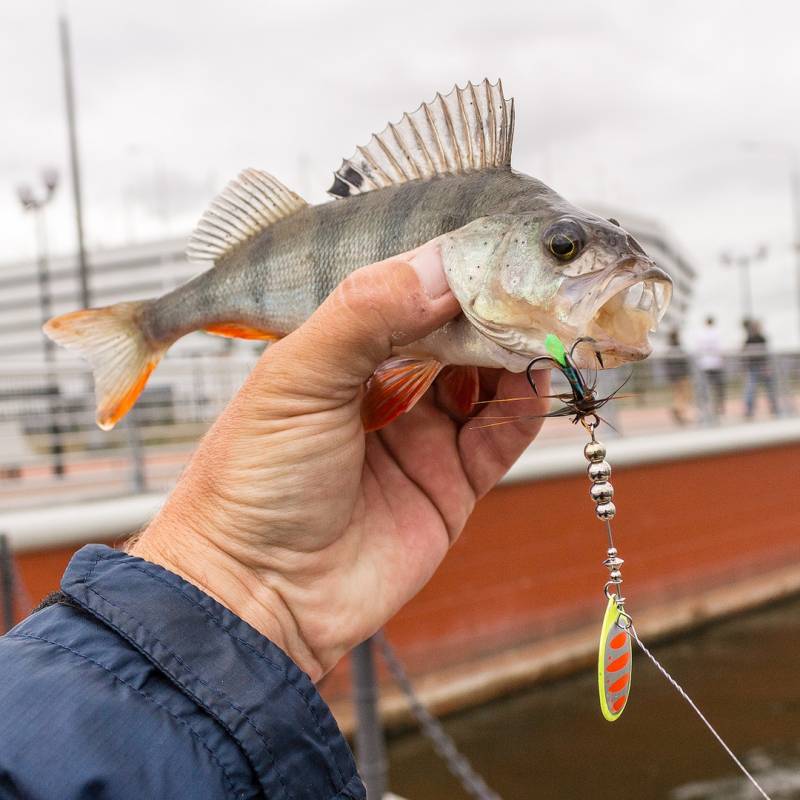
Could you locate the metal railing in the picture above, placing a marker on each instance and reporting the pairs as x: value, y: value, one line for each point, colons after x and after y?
x: 51, y: 451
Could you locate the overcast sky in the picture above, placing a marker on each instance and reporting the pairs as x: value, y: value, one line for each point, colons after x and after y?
x: 643, y: 105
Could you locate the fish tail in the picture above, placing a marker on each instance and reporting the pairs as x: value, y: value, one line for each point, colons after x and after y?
x: 114, y: 342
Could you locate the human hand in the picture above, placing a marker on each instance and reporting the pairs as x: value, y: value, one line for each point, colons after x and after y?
x: 289, y: 515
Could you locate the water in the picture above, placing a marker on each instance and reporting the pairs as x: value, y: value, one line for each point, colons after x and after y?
x: 552, y: 742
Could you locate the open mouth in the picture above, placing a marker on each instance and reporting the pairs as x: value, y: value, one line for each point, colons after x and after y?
x: 630, y: 313
x: 614, y: 316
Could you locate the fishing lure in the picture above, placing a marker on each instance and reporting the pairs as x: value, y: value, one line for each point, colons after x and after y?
x: 615, y: 654
x: 581, y: 401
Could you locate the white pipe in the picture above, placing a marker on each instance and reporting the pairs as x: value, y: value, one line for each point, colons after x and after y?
x: 76, y: 523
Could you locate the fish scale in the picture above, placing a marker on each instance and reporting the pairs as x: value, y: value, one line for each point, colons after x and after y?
x: 519, y: 258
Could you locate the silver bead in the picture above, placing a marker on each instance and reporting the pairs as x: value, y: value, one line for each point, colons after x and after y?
x: 614, y: 562
x: 616, y: 576
x: 599, y: 471
x: 612, y: 551
x: 594, y: 451
x: 602, y: 492
x: 606, y: 511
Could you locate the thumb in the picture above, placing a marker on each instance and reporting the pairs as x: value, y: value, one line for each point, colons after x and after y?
x: 375, y: 308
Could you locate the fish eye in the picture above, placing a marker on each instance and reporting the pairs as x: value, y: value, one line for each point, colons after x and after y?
x: 562, y: 246
x: 614, y: 222
x: 564, y: 241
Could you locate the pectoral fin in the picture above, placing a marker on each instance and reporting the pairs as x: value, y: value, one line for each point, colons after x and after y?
x: 395, y: 387
x: 458, y: 389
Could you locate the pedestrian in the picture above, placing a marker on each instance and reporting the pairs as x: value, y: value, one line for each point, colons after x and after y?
x: 184, y: 666
x: 679, y: 377
x: 711, y: 366
x: 758, y: 369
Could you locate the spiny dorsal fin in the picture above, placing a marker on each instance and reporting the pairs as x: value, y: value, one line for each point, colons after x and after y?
x: 469, y: 129
x: 247, y: 205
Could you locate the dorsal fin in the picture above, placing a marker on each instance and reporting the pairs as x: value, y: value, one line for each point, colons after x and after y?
x: 247, y: 205
x: 469, y: 129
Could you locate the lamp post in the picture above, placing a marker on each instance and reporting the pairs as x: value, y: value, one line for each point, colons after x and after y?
x: 743, y: 262
x: 36, y: 202
x: 74, y: 161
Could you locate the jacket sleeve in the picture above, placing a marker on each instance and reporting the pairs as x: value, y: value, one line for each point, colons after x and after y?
x: 138, y: 685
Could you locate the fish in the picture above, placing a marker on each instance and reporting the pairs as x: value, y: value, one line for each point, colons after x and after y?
x: 522, y: 261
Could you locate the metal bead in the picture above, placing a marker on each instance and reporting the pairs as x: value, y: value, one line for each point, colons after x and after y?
x: 613, y: 562
x: 616, y: 575
x: 612, y: 551
x: 602, y: 492
x: 594, y: 451
x: 606, y: 511
x: 599, y: 471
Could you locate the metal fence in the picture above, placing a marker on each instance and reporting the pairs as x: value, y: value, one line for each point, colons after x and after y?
x: 51, y: 451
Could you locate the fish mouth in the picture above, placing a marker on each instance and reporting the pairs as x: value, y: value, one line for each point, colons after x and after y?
x: 615, y: 313
x: 627, y: 312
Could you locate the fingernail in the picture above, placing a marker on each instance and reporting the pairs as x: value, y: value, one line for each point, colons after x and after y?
x: 427, y: 263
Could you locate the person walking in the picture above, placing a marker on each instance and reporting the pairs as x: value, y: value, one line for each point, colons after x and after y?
x: 678, y: 375
x: 758, y: 369
x: 710, y: 363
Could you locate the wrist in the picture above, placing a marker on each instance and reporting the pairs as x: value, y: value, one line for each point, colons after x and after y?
x: 241, y: 589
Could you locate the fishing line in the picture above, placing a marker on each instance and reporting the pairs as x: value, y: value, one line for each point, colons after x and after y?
x: 663, y: 670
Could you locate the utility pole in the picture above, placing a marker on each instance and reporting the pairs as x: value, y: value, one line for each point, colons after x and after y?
x: 743, y: 262
x: 36, y: 203
x: 69, y: 98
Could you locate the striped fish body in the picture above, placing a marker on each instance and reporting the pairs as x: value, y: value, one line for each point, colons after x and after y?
x: 275, y: 281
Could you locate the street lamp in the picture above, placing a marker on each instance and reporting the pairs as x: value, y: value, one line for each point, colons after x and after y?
x: 35, y: 202
x: 743, y: 261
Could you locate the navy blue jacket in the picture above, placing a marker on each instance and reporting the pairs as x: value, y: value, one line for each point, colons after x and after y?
x: 138, y: 685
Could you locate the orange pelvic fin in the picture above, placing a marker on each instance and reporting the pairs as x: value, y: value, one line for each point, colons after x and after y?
x: 122, y: 357
x: 394, y: 388
x: 233, y: 330
x: 459, y: 387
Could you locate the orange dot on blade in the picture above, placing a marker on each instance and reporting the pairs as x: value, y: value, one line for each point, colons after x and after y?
x: 619, y: 640
x: 619, y: 684
x: 619, y: 663
x: 619, y: 704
